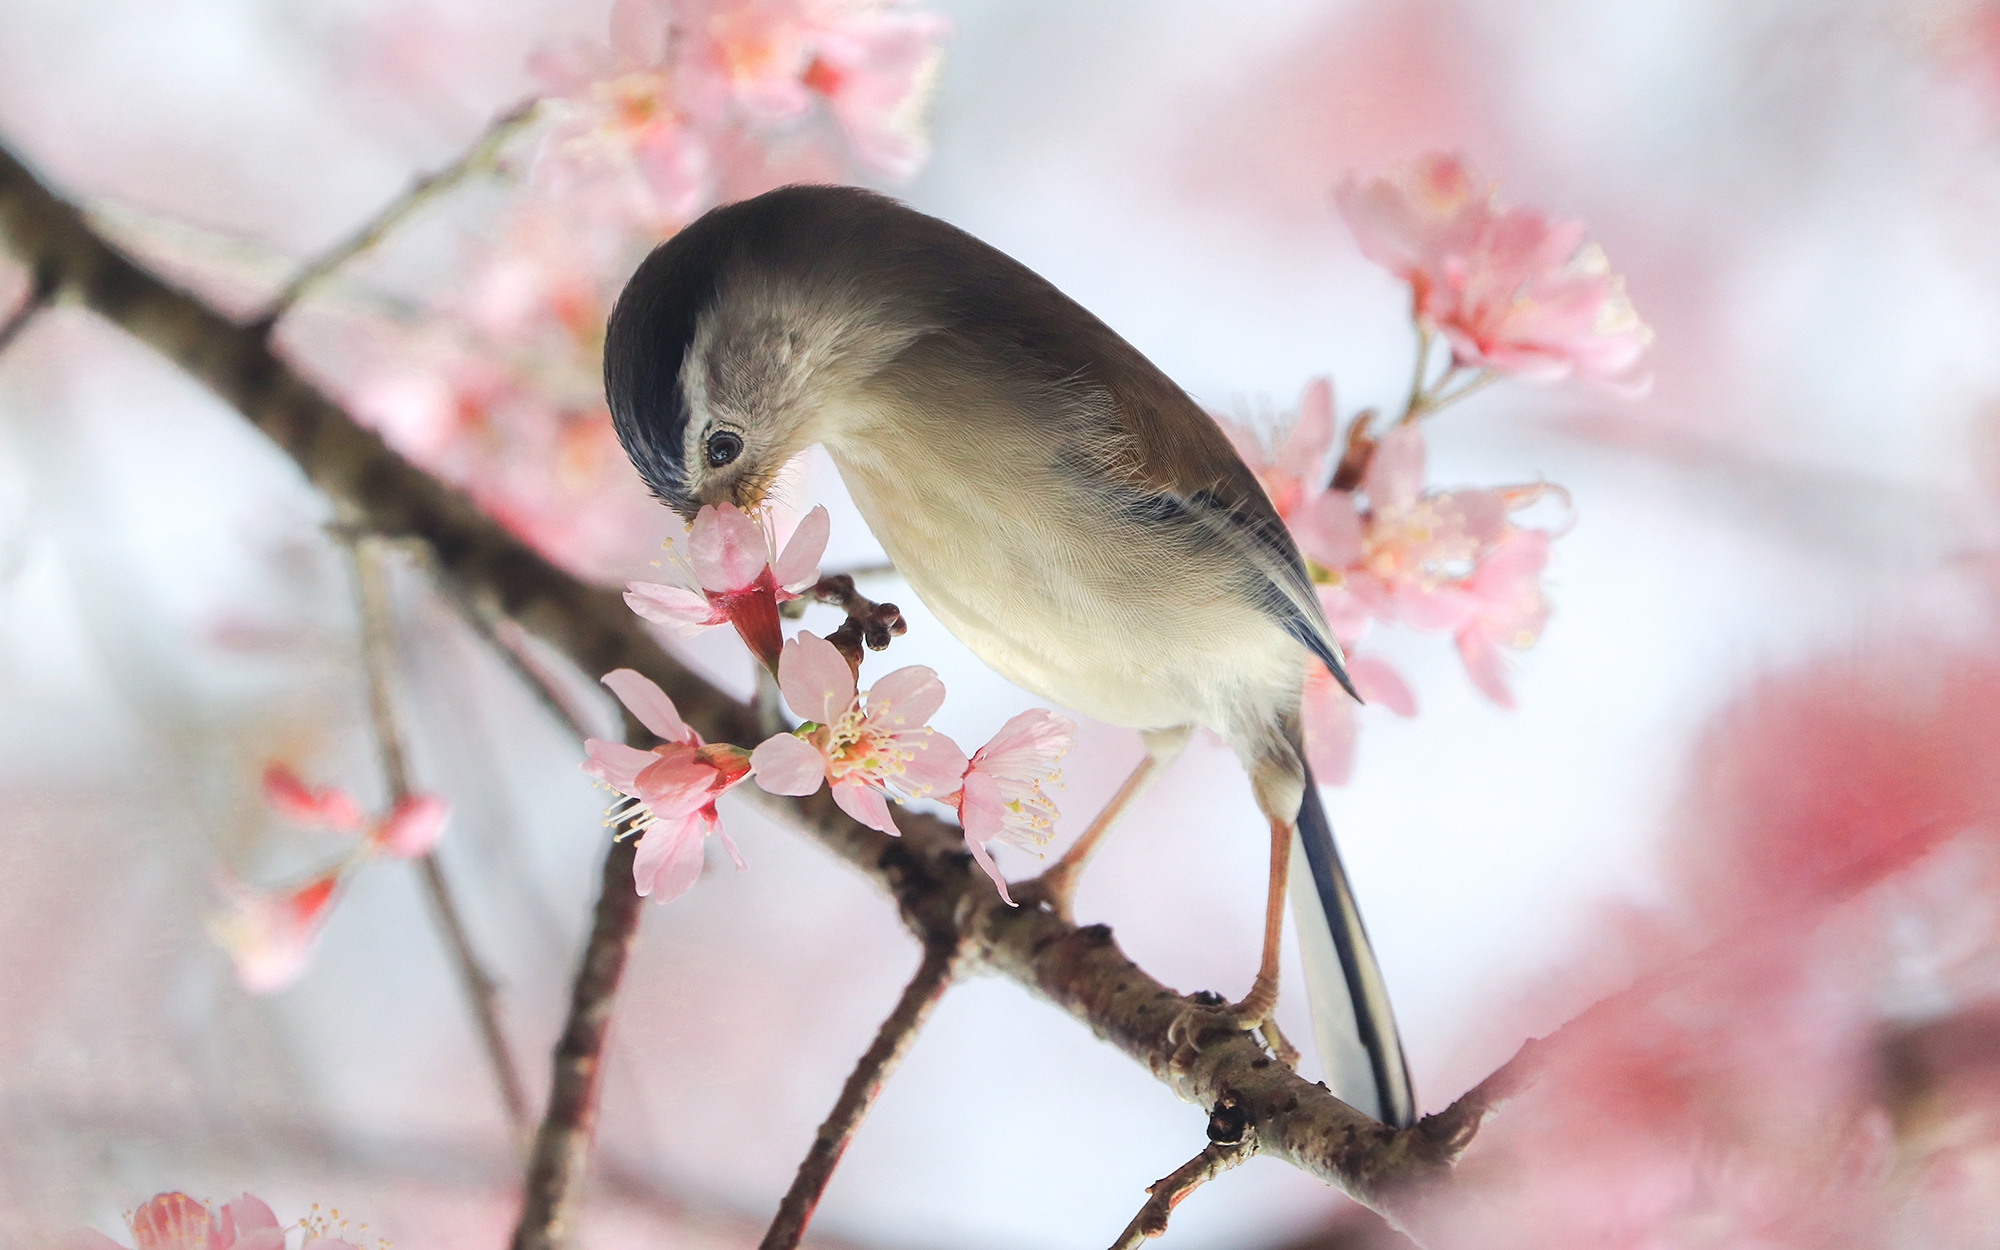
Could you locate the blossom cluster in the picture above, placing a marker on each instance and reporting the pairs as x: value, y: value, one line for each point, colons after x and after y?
x: 1512, y: 293
x: 684, y: 104
x: 270, y: 934
x: 868, y: 746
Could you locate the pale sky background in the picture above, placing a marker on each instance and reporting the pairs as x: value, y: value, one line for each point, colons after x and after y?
x: 1800, y: 193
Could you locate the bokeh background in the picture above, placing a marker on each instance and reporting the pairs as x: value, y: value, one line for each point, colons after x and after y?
x: 1801, y: 194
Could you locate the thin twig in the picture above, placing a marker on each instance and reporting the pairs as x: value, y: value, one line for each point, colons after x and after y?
x: 1410, y: 405
x: 41, y: 290
x: 426, y: 188
x: 481, y: 993
x: 562, y: 1147
x: 892, y: 1041
x: 868, y: 623
x: 1166, y: 1193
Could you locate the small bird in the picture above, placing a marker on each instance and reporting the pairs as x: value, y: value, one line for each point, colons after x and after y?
x: 1060, y: 504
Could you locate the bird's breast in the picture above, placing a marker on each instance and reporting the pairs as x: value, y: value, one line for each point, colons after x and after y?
x: 1005, y: 550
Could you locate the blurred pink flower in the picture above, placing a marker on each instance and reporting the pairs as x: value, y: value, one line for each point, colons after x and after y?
x: 862, y: 748
x: 872, y: 63
x: 174, y: 1221
x: 1508, y: 288
x: 296, y: 801
x: 731, y: 576
x: 1002, y: 793
x: 1329, y: 712
x: 622, y: 108
x: 412, y: 829
x: 409, y: 831
x: 1444, y: 561
x: 1291, y: 463
x: 1799, y: 1050
x: 269, y: 936
x: 670, y: 790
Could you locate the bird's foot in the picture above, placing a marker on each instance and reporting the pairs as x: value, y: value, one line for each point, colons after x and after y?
x: 1251, y: 1014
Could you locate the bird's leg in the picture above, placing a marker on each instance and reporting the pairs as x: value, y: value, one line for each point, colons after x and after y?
x: 1056, y: 885
x: 1254, y: 1009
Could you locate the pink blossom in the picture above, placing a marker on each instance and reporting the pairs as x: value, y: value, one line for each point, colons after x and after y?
x: 1508, y: 288
x: 270, y: 935
x: 623, y: 113
x: 1291, y: 464
x: 1002, y: 795
x: 1509, y: 609
x: 1445, y: 561
x: 412, y: 829
x: 731, y: 576
x: 1330, y: 715
x: 174, y: 1221
x: 296, y: 801
x: 670, y: 790
x: 862, y: 748
x: 409, y: 831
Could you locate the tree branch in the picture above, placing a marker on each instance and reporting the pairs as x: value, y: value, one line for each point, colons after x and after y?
x: 933, y: 977
x: 378, y: 647
x: 426, y: 188
x: 1166, y: 1193
x: 927, y: 871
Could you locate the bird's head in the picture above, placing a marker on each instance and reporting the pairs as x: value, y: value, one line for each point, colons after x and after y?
x: 734, y: 341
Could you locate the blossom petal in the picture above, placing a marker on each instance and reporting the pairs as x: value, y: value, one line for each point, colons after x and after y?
x: 982, y: 809
x: 785, y: 764
x: 798, y: 565
x: 308, y: 805
x: 866, y: 805
x: 909, y: 696
x: 615, y: 764
x: 1328, y: 717
x: 727, y: 548
x: 1395, y: 478
x: 671, y: 605
x: 814, y: 677
x: 174, y: 1221
x: 649, y: 703
x: 413, y: 828
x: 270, y: 936
x: 1312, y: 433
x: 248, y: 1214
x: 1381, y: 685
x: 935, y: 770
x: 669, y: 858
x: 1329, y: 530
x: 1485, y: 665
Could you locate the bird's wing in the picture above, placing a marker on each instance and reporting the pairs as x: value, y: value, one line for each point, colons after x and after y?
x: 1183, y: 472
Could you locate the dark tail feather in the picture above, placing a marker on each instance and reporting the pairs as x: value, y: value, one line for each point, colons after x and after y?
x: 1352, y: 1023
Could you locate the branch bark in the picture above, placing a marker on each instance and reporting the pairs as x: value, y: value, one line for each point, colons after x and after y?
x: 378, y: 650
x: 1163, y: 1195
x: 933, y: 977
x: 927, y: 871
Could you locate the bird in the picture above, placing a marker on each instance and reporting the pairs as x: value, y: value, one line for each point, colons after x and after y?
x: 1056, y: 501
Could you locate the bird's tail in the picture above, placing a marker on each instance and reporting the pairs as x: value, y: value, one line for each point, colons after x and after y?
x: 1352, y: 1022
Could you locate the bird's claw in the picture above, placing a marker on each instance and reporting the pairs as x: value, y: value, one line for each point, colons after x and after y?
x: 1251, y: 1015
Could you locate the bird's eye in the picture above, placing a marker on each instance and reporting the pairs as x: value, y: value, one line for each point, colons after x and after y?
x: 723, y: 447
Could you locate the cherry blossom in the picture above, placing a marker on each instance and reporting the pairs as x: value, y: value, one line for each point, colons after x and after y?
x: 731, y: 576
x: 174, y: 1221
x: 1508, y: 288
x: 1003, y: 795
x: 670, y: 791
x: 270, y: 935
x: 1290, y: 463
x: 409, y: 831
x: 1445, y: 561
x: 622, y: 112
x: 861, y: 746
